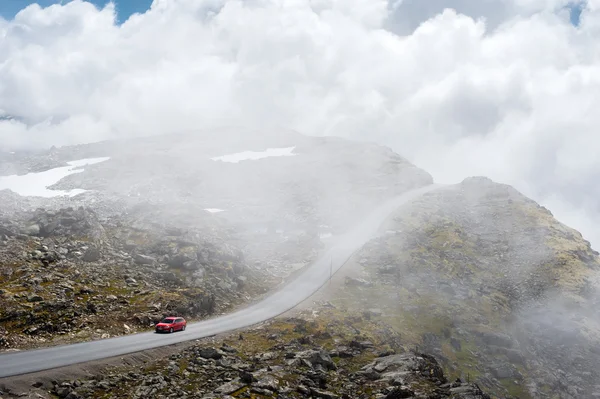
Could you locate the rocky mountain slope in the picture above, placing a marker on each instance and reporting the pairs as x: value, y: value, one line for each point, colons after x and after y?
x: 473, y: 281
x: 328, y: 181
x: 492, y: 285
x: 65, y: 276
x: 141, y: 245
x: 319, y: 354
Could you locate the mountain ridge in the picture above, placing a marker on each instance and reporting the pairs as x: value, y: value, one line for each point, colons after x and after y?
x: 492, y: 285
x: 476, y: 274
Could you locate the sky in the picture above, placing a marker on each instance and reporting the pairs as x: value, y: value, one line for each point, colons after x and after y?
x: 124, y: 8
x: 503, y: 88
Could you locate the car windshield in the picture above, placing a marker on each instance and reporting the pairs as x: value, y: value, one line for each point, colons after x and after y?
x: 168, y: 321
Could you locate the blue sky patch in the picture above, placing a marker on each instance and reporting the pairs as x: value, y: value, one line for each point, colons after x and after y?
x: 576, y: 8
x: 9, y: 8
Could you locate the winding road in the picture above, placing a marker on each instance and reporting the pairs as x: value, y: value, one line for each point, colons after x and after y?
x: 309, y: 282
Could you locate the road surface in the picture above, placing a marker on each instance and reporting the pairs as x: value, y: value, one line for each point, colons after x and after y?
x: 314, y: 277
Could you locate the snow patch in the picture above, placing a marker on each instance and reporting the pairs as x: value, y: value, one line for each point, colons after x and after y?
x: 214, y: 210
x: 36, y: 184
x: 253, y: 155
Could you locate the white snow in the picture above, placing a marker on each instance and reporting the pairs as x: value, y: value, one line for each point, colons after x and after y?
x: 253, y: 155
x: 36, y: 184
x: 214, y: 210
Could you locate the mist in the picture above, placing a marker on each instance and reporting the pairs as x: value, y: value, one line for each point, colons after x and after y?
x: 489, y: 282
x: 174, y: 98
x: 503, y: 88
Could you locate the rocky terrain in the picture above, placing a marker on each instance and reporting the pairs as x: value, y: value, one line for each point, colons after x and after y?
x: 22, y: 163
x: 493, y: 286
x: 472, y: 285
x: 140, y: 244
x: 324, y: 353
x: 327, y: 182
x: 67, y: 277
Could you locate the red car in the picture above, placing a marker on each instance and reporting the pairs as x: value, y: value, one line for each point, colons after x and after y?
x: 171, y: 324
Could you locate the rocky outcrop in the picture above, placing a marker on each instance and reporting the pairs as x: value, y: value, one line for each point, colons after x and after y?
x: 75, y: 278
x: 493, y: 286
x: 330, y: 181
x: 484, y: 286
x: 81, y: 222
x: 289, y: 364
x: 142, y: 235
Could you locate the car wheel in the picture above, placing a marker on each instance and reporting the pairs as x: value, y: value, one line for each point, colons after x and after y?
x: 183, y: 328
x: 171, y: 330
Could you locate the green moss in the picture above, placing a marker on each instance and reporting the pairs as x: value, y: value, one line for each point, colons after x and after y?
x: 115, y: 288
x: 516, y: 390
x: 464, y: 362
x: 423, y: 387
x: 183, y: 364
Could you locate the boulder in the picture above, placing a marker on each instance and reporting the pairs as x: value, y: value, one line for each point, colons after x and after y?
x: 92, y: 254
x: 211, y: 353
x: 357, y: 282
x: 318, y: 357
x: 144, y: 259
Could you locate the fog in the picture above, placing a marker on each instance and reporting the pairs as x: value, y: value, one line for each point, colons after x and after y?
x: 479, y: 265
x: 502, y: 88
x: 229, y: 116
x: 458, y: 96
x: 36, y: 184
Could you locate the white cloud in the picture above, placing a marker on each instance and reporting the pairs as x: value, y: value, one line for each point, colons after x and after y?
x: 504, y: 88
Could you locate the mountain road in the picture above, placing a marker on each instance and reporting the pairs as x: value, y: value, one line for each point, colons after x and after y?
x: 280, y: 301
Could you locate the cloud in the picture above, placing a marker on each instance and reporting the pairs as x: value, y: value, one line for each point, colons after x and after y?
x: 503, y: 88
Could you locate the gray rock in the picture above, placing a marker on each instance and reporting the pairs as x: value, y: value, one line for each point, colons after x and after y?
x: 455, y: 343
x: 34, y: 298
x: 468, y: 391
x: 241, y: 280
x: 318, y: 393
x: 31, y: 230
x: 497, y: 339
x: 92, y: 255
x: 73, y: 395
x: 400, y: 393
x: 199, y: 273
x: 192, y: 265
x: 144, y: 259
x: 357, y: 282
x: 342, y: 352
x: 131, y: 281
x: 37, y: 254
x: 230, y: 387
x: 396, y: 366
x: 387, y: 269
x: 63, y: 392
x: 211, y: 353
x: 268, y: 382
x: 179, y: 260
x: 246, y: 377
x: 266, y: 356
x: 318, y: 357
x: 503, y: 371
